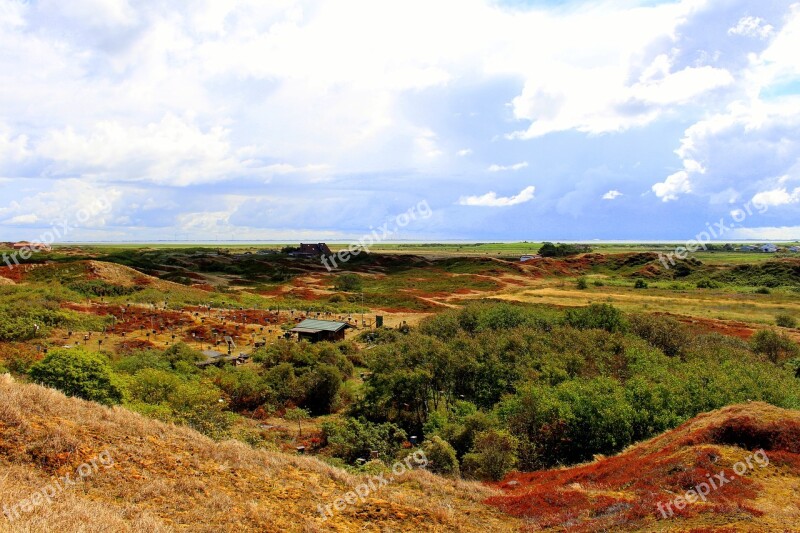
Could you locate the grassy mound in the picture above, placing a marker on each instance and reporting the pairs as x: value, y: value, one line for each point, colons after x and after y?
x: 623, y: 493
x: 168, y: 478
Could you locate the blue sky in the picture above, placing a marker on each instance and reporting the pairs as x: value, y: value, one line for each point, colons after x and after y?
x: 310, y: 120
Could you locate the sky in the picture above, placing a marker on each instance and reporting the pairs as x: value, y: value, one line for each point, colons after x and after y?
x: 324, y: 120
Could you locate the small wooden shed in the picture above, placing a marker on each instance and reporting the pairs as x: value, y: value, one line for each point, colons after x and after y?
x: 320, y: 330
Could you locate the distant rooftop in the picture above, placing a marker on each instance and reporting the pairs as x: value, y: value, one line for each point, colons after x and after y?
x: 310, y: 325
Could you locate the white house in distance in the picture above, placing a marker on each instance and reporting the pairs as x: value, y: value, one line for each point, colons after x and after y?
x: 768, y: 248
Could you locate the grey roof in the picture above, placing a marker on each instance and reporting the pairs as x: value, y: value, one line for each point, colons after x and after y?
x: 312, y: 326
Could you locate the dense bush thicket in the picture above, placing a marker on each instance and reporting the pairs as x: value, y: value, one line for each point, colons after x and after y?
x: 509, y: 386
x: 78, y: 373
x: 96, y: 287
x: 351, y: 439
x: 549, y: 249
x: 486, y: 388
x: 785, y: 321
x: 348, y: 282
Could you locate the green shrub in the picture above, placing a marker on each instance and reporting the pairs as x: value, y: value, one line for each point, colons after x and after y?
x: 640, y: 284
x: 596, y: 316
x: 78, y: 373
x: 492, y: 457
x: 200, y: 405
x: 181, y: 399
x: 101, y: 288
x: 569, y: 423
x: 706, y: 283
x: 501, y: 316
x: 441, y: 457
x: 461, y: 432
x: 666, y: 334
x: 785, y: 321
x: 351, y: 439
x: 153, y: 386
x: 283, y: 381
x: 140, y: 360
x: 244, y: 386
x: 443, y: 326
x: 321, y: 389
x: 182, y: 357
x: 549, y: 249
x: 348, y: 282
x: 582, y: 284
x: 775, y: 346
x: 762, y: 290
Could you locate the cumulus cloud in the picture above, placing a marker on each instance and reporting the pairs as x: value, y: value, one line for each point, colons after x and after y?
x: 70, y: 201
x: 490, y: 199
x: 501, y: 168
x: 612, y: 195
x: 464, y: 152
x: 675, y: 185
x: 171, y: 151
x: 777, y: 197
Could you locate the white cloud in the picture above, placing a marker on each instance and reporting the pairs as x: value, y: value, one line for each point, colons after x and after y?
x: 206, y: 221
x: 70, y: 202
x: 501, y: 168
x: 490, y: 199
x: 172, y: 151
x: 774, y: 233
x: 91, y: 13
x: 675, y: 185
x: 612, y: 195
x: 13, y: 149
x: 24, y: 219
x: 679, y: 87
x: 777, y: 197
x: 426, y: 144
x: 757, y: 139
x: 752, y: 27
x: 243, y: 91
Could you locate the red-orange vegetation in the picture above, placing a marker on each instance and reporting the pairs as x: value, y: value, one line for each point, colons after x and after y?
x: 626, y: 489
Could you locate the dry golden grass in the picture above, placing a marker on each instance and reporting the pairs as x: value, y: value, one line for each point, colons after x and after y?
x: 168, y: 478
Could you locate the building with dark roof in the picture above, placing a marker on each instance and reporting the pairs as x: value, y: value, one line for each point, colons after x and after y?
x: 313, y: 250
x: 320, y: 330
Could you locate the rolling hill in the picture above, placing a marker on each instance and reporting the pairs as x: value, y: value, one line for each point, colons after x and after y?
x: 744, y: 458
x: 169, y: 478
